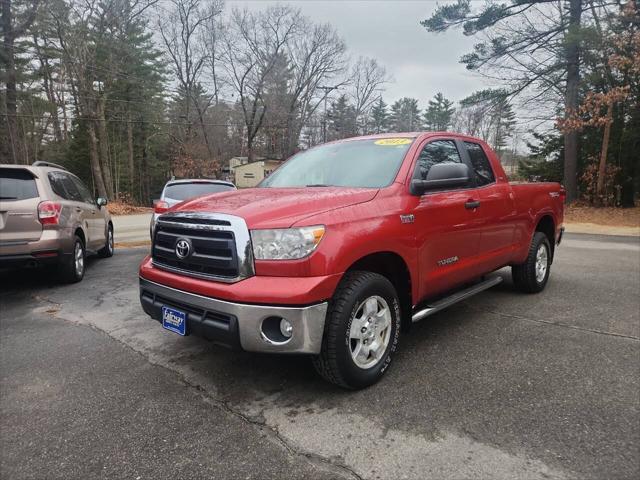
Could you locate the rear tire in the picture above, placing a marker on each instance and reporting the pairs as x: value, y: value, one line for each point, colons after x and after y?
x: 107, y: 250
x: 72, y: 267
x: 362, y: 329
x: 533, y: 274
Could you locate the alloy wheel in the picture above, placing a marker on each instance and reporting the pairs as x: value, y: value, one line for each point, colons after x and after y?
x: 370, y: 332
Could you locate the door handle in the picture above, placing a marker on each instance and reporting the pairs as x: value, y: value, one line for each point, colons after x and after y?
x: 471, y: 204
x: 78, y: 209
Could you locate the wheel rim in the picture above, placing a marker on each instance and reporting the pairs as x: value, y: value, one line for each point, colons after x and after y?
x: 542, y: 260
x: 110, y: 240
x: 370, y: 332
x: 79, y: 259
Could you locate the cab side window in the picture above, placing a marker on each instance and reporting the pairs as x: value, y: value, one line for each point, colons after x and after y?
x: 481, y: 166
x: 438, y: 151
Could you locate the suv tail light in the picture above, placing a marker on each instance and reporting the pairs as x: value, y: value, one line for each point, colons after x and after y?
x: 160, y: 206
x: 49, y: 212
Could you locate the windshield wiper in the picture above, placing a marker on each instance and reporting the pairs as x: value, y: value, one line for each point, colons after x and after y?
x: 318, y: 185
x: 8, y: 198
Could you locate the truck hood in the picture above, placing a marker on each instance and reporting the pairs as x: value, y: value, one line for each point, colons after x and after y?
x: 277, y: 207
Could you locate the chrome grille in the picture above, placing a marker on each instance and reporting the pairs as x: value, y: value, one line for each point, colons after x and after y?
x: 219, y: 246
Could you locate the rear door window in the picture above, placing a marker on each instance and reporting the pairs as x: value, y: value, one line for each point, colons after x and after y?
x: 63, y: 185
x: 17, y: 184
x: 481, y: 166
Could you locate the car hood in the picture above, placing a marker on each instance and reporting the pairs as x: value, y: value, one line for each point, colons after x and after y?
x: 277, y: 207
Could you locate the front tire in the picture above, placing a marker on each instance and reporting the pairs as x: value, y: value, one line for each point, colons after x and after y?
x: 361, y: 331
x: 533, y: 274
x: 107, y: 250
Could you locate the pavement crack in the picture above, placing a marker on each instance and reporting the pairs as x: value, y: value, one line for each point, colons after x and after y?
x: 323, y: 463
x: 317, y: 460
x: 562, y: 325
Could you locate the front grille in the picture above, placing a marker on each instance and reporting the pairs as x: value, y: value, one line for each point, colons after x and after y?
x: 213, y: 247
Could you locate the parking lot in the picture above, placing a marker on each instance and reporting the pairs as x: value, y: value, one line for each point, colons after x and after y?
x: 503, y: 385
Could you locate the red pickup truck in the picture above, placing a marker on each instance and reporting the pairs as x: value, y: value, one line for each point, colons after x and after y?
x: 345, y: 245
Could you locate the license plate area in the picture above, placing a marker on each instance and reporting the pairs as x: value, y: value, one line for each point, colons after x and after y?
x: 174, y: 320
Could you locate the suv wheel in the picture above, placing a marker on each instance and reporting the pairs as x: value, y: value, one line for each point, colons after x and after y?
x: 73, y: 266
x: 361, y: 331
x: 107, y: 250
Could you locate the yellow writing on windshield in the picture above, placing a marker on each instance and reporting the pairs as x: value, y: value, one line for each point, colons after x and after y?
x: 392, y: 141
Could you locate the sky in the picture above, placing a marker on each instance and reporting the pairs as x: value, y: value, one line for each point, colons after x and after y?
x: 420, y: 63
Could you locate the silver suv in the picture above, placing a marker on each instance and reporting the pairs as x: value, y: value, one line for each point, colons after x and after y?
x: 49, y: 217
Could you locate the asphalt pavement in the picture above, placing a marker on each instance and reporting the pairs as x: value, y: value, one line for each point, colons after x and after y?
x: 131, y: 229
x: 503, y: 385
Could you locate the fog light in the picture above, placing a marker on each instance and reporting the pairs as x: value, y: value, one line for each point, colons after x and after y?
x: 286, y: 328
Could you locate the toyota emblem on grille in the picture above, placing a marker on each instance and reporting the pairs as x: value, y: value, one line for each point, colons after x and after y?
x: 183, y: 248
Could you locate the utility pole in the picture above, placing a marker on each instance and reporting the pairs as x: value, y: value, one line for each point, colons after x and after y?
x: 326, y: 90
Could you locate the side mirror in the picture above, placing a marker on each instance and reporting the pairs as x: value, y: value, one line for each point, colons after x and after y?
x: 101, y: 201
x: 442, y: 175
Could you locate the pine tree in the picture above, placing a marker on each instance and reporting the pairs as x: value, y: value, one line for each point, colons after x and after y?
x: 405, y: 115
x: 379, y: 117
x: 439, y: 114
x: 342, y: 119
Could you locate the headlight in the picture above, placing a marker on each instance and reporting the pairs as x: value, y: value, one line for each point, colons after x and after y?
x: 285, y: 243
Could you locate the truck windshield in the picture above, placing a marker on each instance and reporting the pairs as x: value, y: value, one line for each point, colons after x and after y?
x: 371, y: 163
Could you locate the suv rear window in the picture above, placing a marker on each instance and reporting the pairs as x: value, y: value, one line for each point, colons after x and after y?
x: 17, y: 184
x: 184, y: 191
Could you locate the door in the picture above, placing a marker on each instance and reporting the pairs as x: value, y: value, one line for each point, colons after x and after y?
x: 63, y: 185
x: 447, y: 230
x: 97, y: 223
x: 495, y: 211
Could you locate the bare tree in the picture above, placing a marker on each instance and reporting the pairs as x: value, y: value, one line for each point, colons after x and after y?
x: 367, y: 79
x: 317, y: 56
x: 182, y: 35
x: 13, y: 27
x: 212, y: 40
x: 252, y: 47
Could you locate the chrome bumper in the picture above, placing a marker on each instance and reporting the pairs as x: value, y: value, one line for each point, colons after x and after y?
x: 245, y: 320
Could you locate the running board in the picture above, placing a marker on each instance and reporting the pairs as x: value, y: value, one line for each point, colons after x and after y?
x: 455, y: 298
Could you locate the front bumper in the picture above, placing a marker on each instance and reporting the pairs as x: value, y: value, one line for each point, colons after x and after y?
x: 237, y: 324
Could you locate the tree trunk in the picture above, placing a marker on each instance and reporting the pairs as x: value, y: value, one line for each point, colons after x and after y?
x: 602, y: 167
x: 204, y: 129
x: 47, y: 82
x: 571, y: 99
x: 94, y: 159
x: 11, y: 102
x: 249, y: 149
x: 144, y: 178
x: 132, y: 170
x: 103, y: 148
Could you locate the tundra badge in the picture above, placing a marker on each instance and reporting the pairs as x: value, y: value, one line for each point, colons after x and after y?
x: 447, y: 261
x: 407, y: 218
